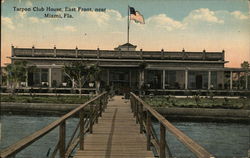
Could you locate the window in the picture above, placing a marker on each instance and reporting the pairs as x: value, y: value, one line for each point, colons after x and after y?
x: 44, y: 75
x: 36, y: 77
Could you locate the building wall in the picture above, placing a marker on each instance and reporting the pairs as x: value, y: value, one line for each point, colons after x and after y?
x: 134, y: 78
x: 104, y: 77
x: 180, y: 78
x: 156, y: 61
x: 129, y: 49
x: 197, y: 79
x: 56, y: 76
x: 220, y: 79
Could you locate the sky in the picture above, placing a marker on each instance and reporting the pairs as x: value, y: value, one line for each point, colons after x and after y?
x: 172, y: 25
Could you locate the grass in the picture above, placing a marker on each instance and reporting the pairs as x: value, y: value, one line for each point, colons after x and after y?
x: 159, y: 101
x: 45, y: 99
x: 197, y: 102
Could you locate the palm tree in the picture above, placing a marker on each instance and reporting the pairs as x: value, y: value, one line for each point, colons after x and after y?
x: 245, y: 65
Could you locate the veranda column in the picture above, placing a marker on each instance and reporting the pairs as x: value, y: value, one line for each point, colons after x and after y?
x: 130, y: 78
x: 26, y: 79
x: 50, y: 76
x: 246, y: 77
x: 73, y: 83
x: 186, y: 79
x: 108, y: 77
x: 209, y: 80
x: 141, y: 78
x: 8, y: 83
x: 163, y: 79
x: 143, y: 75
x: 238, y: 80
x: 231, y: 80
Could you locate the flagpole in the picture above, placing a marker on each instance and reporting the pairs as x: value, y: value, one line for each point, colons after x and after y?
x: 128, y: 27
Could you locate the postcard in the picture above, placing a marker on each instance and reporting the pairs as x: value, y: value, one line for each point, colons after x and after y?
x: 65, y: 64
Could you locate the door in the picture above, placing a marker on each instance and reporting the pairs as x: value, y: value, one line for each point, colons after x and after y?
x: 198, y: 81
x: 30, y: 79
x: 120, y: 81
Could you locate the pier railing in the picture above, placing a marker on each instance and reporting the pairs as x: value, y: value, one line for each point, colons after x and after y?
x: 88, y: 114
x: 144, y: 113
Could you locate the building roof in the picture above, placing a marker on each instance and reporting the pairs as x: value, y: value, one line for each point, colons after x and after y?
x: 128, y: 45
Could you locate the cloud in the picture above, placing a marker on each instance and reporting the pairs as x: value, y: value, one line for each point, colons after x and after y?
x: 202, y: 18
x: 203, y: 14
x: 66, y: 28
x: 104, y: 18
x: 194, y: 18
x: 163, y: 21
x: 118, y: 32
x: 99, y: 18
x: 29, y: 4
x: 8, y: 23
x: 34, y: 19
x: 239, y: 15
x: 115, y: 15
x: 22, y: 14
x: 37, y: 20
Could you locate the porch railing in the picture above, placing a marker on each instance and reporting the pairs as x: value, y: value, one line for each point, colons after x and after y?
x: 88, y: 115
x: 144, y: 113
x: 82, y: 53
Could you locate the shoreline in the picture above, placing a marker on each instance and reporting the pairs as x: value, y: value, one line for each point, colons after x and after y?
x: 205, y: 114
x: 175, y: 114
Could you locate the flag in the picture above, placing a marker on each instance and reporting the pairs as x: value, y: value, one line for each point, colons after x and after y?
x: 136, y: 16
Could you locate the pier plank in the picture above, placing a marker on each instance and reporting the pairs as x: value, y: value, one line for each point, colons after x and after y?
x: 116, y: 135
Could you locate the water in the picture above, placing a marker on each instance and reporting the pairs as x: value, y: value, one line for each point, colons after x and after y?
x: 16, y: 127
x: 221, y: 139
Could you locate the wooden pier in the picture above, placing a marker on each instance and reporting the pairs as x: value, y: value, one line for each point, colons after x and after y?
x: 116, y: 135
x: 117, y: 128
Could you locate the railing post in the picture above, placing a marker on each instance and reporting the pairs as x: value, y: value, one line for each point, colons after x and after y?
x: 148, y: 130
x: 136, y: 112
x: 162, y: 140
x: 91, y: 119
x: 81, y: 132
x: 104, y: 102
x: 135, y: 102
x: 96, y: 115
x: 131, y: 103
x: 62, y: 134
x: 141, y: 117
x: 100, y: 107
x: 133, y: 107
x: 107, y: 99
